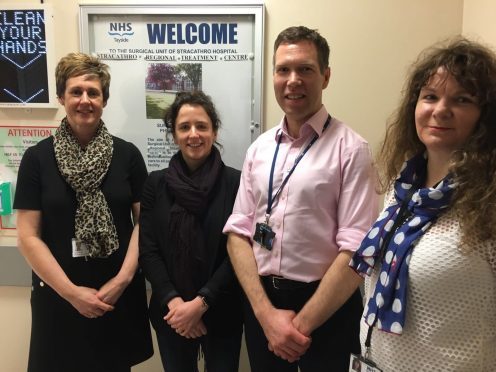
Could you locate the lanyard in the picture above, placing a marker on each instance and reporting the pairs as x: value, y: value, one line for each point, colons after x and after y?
x: 403, y: 215
x: 270, y: 199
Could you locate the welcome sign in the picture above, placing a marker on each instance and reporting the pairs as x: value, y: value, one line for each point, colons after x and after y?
x: 156, y: 51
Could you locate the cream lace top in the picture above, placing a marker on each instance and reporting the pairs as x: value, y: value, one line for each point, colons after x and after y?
x: 451, y: 308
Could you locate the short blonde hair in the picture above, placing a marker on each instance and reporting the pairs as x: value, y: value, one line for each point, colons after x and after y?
x: 77, y: 64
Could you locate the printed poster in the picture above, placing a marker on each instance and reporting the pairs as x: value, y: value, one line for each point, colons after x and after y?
x: 14, y: 141
x: 154, y: 56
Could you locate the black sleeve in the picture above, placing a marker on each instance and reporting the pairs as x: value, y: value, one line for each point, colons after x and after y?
x: 221, y: 282
x: 28, y: 186
x: 151, y: 260
x: 138, y: 173
x: 223, y: 279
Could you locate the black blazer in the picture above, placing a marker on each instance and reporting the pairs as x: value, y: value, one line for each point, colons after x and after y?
x: 222, y: 290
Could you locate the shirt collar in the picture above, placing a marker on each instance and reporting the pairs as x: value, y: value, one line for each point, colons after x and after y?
x: 313, y: 125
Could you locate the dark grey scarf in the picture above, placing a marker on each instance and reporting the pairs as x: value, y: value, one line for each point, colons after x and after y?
x: 192, y: 193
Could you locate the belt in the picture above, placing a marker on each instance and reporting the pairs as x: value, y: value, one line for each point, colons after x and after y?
x: 278, y: 282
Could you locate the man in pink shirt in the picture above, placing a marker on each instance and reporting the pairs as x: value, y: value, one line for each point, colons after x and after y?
x: 291, y: 250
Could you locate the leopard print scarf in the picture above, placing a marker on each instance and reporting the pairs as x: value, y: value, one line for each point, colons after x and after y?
x: 84, y: 170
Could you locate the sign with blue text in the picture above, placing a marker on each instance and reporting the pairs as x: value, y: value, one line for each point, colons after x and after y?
x: 154, y: 52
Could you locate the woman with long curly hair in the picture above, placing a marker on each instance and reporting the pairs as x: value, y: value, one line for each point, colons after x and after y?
x: 430, y: 258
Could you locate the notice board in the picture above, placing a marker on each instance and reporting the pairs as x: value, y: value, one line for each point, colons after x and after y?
x: 155, y: 51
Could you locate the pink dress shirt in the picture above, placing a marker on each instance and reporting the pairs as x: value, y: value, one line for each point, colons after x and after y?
x: 328, y: 204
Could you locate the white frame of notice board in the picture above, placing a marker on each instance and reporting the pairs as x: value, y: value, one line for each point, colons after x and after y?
x: 155, y: 51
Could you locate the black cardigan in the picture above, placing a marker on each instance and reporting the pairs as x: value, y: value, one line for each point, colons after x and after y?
x: 222, y: 290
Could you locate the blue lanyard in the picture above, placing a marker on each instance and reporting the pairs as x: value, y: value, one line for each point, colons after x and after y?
x: 270, y: 199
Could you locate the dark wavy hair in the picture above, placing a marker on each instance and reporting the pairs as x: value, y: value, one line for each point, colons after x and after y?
x: 191, y: 98
x: 296, y: 34
x: 473, y: 166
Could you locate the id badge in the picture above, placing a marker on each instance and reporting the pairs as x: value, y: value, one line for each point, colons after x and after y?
x: 360, y: 364
x: 79, y: 249
x: 264, y: 236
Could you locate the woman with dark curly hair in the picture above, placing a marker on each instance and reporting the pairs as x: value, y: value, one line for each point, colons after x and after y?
x: 431, y: 255
x: 195, y: 296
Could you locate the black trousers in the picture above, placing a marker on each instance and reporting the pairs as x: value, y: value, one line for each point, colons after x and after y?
x: 179, y: 354
x: 331, y: 344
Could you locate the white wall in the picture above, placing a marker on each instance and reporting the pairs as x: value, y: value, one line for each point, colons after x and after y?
x: 372, y: 43
x: 478, y: 20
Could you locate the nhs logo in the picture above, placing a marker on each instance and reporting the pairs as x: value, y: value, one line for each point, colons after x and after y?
x: 120, y: 31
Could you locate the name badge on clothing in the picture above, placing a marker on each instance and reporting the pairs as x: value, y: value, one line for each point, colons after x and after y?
x: 264, y: 235
x: 79, y: 249
x: 361, y: 364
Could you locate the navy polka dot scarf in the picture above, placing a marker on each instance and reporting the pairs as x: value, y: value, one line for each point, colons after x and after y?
x: 387, y: 305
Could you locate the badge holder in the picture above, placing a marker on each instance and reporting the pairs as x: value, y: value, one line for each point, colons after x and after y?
x: 359, y: 363
x: 79, y: 249
x: 264, y: 235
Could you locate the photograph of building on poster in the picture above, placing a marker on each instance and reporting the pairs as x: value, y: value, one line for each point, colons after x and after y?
x: 164, y: 80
